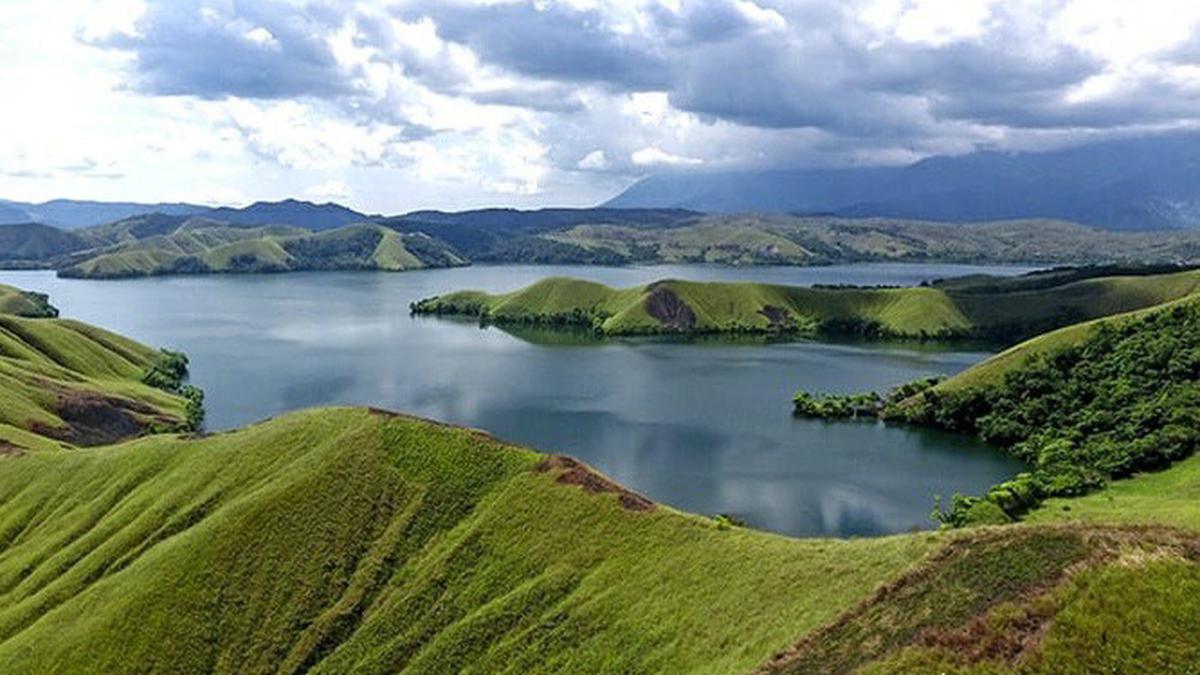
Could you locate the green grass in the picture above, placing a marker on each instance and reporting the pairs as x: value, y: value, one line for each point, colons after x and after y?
x: 24, y: 303
x: 47, y: 362
x: 1169, y: 497
x: 344, y: 539
x: 208, y: 247
x: 353, y: 540
x: 753, y: 307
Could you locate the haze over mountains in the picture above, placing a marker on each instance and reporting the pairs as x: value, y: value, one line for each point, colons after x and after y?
x: 1149, y: 183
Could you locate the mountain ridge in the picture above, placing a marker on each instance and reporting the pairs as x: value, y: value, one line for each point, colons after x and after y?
x: 1148, y: 183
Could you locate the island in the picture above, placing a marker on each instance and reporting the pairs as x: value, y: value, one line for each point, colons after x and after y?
x: 993, y: 308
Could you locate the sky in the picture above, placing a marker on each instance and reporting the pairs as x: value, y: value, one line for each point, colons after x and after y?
x: 394, y: 106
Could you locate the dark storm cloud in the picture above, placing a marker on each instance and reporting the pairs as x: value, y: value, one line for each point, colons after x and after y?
x: 214, y: 50
x: 813, y: 69
x: 554, y: 42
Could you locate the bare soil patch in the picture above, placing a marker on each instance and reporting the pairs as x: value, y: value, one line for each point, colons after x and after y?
x: 575, y: 472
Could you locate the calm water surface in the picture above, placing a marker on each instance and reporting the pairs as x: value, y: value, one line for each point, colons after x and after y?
x: 703, y: 426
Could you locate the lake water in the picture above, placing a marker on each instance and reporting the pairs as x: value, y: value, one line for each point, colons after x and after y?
x: 704, y: 426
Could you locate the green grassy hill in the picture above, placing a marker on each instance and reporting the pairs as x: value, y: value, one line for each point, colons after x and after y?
x: 64, y: 383
x: 813, y: 240
x: 355, y: 540
x: 25, y: 303
x: 198, y: 247
x: 697, y: 307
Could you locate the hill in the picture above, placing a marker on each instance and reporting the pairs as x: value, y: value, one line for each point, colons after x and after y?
x: 292, y: 212
x: 64, y: 383
x: 957, y: 310
x: 1081, y: 406
x: 201, y: 247
x: 31, y: 243
x: 1144, y: 183
x: 28, y: 304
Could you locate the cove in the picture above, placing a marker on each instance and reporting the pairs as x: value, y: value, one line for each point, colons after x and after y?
x: 703, y: 426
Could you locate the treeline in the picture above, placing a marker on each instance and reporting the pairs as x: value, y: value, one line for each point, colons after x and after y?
x: 169, y: 372
x: 1126, y: 399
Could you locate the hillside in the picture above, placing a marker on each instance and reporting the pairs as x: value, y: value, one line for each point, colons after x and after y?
x: 672, y: 306
x: 201, y: 247
x: 1147, y: 183
x: 617, y: 237
x: 64, y: 382
x: 356, y: 540
x: 28, y: 304
x: 29, y: 243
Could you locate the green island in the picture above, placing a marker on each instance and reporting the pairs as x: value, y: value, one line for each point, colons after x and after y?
x: 981, y: 307
x: 358, y: 540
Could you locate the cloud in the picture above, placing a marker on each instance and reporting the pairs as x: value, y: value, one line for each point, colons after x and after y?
x: 525, y: 101
x: 595, y: 160
x: 264, y: 50
x: 655, y: 157
x: 330, y: 190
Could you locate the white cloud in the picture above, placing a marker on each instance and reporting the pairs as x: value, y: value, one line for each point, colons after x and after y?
x: 655, y: 157
x: 595, y: 160
x: 331, y: 190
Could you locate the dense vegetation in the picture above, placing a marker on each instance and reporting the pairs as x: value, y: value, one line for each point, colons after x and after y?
x: 1124, y: 399
x: 673, y: 306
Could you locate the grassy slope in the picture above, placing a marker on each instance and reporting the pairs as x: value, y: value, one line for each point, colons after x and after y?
x: 802, y: 240
x: 23, y: 303
x: 45, y: 363
x: 347, y: 539
x: 210, y: 247
x: 344, y: 540
x: 903, y: 311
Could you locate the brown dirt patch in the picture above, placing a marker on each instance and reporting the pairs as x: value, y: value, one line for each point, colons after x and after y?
x: 778, y: 317
x: 92, y: 418
x: 10, y: 450
x: 575, y: 472
x: 663, y: 304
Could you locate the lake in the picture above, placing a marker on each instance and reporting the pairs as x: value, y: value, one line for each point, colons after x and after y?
x: 704, y: 426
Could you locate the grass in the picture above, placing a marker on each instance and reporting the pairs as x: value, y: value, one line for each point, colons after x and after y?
x: 354, y: 540
x: 24, y: 303
x: 68, y: 380
x: 1169, y: 497
x: 344, y: 539
x: 209, y: 247
x: 685, y: 306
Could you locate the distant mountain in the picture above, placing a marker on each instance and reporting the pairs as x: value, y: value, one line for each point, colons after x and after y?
x: 1150, y: 183
x: 289, y: 212
x: 34, y: 242
x: 540, y: 220
x: 73, y: 214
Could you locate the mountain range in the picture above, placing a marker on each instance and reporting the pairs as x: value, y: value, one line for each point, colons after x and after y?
x: 71, y: 214
x: 1148, y: 183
